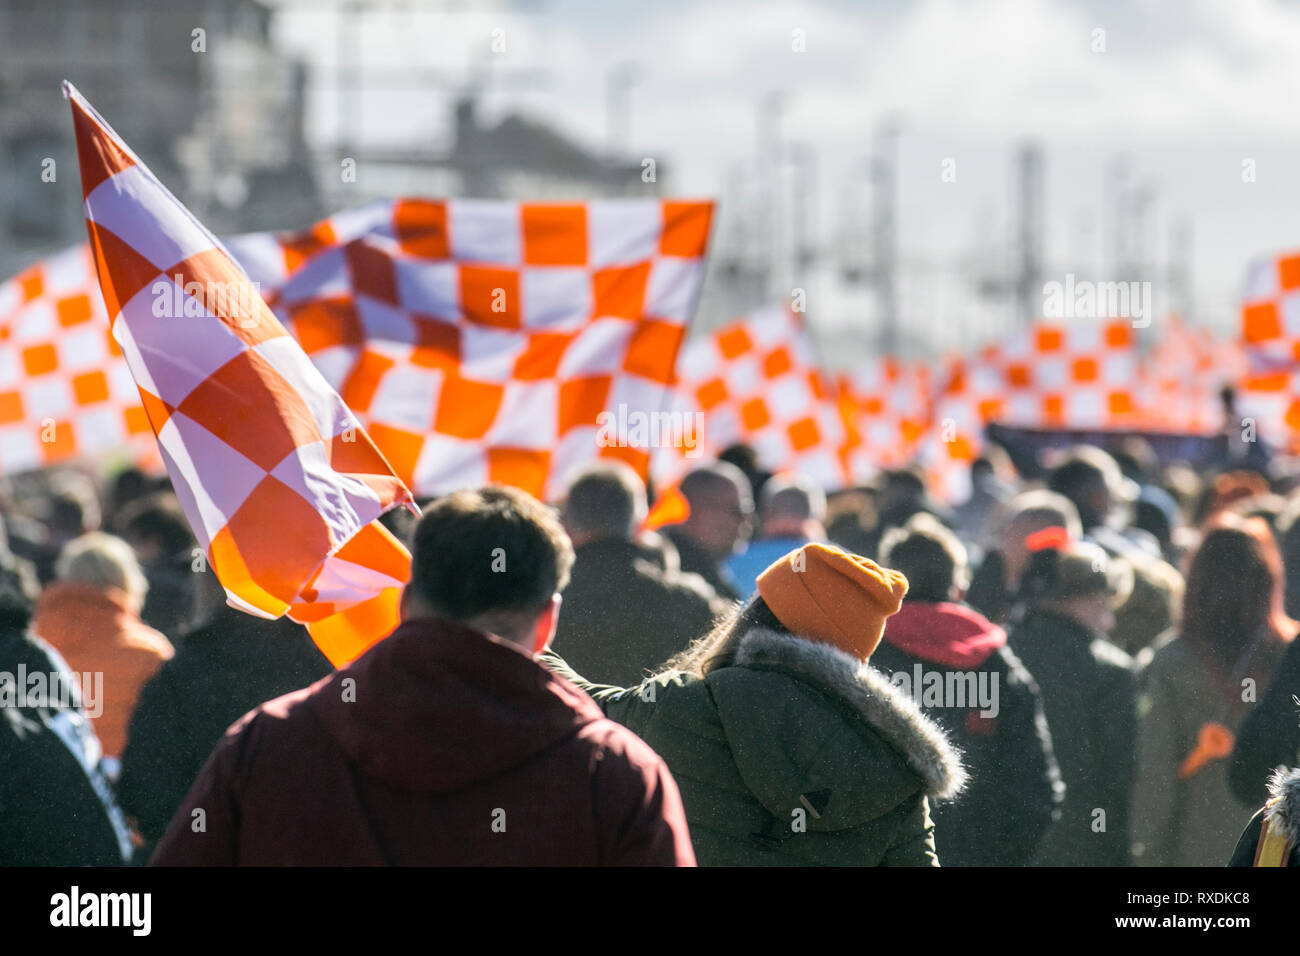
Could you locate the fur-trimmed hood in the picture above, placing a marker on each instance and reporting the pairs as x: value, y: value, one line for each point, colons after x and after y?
x: 900, y: 752
x: 1284, y: 807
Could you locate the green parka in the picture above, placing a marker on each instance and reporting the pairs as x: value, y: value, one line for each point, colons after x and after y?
x: 796, y: 754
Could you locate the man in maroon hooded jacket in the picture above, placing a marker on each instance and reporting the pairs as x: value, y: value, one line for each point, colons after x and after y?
x: 446, y: 743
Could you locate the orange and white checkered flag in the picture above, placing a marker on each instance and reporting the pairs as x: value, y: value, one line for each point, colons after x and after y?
x: 64, y: 390
x: 886, y: 405
x: 1047, y: 375
x: 757, y: 381
x: 1270, y: 337
x: 484, y: 340
x: 279, y: 483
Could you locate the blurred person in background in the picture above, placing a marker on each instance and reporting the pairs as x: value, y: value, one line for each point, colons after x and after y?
x: 68, y: 509
x: 157, y: 530
x: 851, y: 520
x: 721, y: 508
x: 1093, y: 482
x: 995, y: 583
x: 624, y: 613
x: 91, y: 615
x: 1069, y: 590
x: 1227, y: 490
x: 1137, y: 461
x: 788, y: 751
x: 1269, y: 508
x: 1153, y: 606
x: 123, y: 489
x: 1015, y: 788
x: 1239, y: 447
x: 1197, y: 684
x: 901, y: 493
x: 1156, y: 512
x: 56, y: 805
x: 989, y: 493
x: 745, y: 457
x: 225, y: 667
x: 791, y: 511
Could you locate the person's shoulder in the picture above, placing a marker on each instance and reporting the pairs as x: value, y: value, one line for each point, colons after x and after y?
x: 619, y: 749
x: 283, y: 715
x: 142, y: 639
x: 685, y: 587
x: 1114, y: 665
x: 1007, y: 663
x: 692, y: 587
x: 36, y: 653
x: 1167, y: 654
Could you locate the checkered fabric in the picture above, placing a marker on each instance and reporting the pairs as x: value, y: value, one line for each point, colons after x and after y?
x: 757, y: 381
x: 1045, y: 376
x: 1182, y: 375
x: 64, y: 390
x: 482, y: 340
x: 886, y: 405
x: 280, y: 485
x: 1270, y: 328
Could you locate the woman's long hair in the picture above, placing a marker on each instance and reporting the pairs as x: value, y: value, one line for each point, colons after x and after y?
x: 718, y: 647
x: 1234, y: 595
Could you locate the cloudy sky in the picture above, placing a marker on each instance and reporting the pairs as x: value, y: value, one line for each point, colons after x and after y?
x: 1190, y: 91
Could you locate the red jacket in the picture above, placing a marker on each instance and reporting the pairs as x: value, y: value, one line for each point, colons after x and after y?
x: 439, y: 746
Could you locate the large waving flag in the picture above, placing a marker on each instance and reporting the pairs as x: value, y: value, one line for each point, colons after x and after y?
x: 280, y: 485
x: 757, y: 381
x: 484, y: 340
x: 477, y: 340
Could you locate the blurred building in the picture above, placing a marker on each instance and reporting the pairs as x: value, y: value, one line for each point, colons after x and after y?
x: 195, y: 87
x: 516, y: 157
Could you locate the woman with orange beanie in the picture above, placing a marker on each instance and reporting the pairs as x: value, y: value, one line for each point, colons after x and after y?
x: 787, y: 747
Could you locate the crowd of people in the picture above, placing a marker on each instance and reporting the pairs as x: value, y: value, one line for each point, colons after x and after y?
x: 1091, y: 665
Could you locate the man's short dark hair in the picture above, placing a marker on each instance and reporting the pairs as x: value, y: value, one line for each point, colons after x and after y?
x: 929, y: 555
x: 712, y: 477
x: 488, y: 550
x: 1085, y: 468
x: 607, y: 498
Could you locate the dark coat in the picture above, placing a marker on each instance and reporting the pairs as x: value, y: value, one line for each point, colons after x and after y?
x: 1270, y: 735
x: 439, y: 746
x: 1015, y: 787
x: 56, y: 808
x: 1089, y: 690
x: 694, y: 559
x: 623, y: 616
x: 221, y: 672
x: 1282, y: 811
x: 795, y: 754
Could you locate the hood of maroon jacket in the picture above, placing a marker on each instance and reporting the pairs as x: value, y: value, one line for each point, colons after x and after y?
x: 953, y: 635
x: 436, y: 674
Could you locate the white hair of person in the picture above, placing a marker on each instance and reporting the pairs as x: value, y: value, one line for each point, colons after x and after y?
x: 106, y: 561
